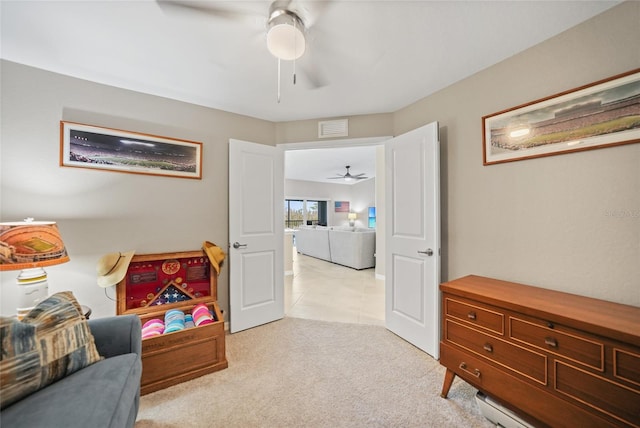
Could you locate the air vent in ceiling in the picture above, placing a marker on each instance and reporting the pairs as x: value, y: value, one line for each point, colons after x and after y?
x: 333, y: 128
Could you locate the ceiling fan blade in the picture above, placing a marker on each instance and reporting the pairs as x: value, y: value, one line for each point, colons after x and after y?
x: 310, y: 11
x: 208, y: 8
x: 348, y: 176
x: 312, y: 64
x: 313, y: 76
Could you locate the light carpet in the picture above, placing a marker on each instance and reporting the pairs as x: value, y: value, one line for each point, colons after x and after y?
x: 305, y: 373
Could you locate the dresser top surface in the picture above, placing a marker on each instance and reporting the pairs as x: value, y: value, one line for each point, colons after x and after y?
x: 614, y: 320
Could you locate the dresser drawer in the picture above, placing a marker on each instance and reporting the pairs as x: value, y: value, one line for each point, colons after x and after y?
x: 576, y: 348
x: 523, y: 362
x: 471, y: 312
x: 524, y: 398
x: 609, y: 398
x: 626, y: 365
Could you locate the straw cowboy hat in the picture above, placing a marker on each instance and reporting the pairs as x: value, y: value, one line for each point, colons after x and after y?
x: 214, y: 253
x: 112, y: 268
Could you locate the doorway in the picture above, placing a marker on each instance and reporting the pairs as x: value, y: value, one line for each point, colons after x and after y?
x: 321, y: 290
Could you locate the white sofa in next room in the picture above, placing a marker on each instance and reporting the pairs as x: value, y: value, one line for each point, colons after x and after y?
x: 352, y: 247
x: 314, y: 242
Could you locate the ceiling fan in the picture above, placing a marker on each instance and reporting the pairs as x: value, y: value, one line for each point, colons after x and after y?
x: 287, y: 26
x: 348, y: 176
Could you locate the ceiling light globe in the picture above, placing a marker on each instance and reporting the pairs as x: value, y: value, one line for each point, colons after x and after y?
x: 284, y: 39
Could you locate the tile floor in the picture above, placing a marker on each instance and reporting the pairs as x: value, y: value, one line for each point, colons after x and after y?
x: 326, y: 291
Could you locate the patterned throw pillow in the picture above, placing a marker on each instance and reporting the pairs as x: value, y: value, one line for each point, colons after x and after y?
x: 52, y: 341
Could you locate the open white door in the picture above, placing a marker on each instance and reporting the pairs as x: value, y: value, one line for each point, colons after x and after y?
x: 256, y: 234
x: 412, y: 297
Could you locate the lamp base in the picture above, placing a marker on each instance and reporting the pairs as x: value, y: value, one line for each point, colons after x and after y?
x: 33, y: 287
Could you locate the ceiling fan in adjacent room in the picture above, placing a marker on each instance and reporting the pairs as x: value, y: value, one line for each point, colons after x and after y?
x: 287, y: 26
x: 348, y: 176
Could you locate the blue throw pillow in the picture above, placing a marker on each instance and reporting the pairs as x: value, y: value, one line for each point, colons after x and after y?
x: 52, y: 341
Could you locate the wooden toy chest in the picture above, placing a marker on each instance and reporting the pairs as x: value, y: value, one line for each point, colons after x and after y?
x: 156, y: 283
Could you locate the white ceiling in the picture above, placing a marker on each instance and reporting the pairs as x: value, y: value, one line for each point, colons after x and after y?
x: 362, y: 56
x: 320, y: 164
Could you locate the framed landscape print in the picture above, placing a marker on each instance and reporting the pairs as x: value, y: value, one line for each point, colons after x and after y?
x: 601, y: 114
x: 93, y: 147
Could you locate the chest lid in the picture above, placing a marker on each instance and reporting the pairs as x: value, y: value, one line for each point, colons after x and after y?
x: 159, y: 282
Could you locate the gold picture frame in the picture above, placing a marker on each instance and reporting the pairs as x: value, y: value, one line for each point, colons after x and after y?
x: 601, y: 114
x: 93, y: 147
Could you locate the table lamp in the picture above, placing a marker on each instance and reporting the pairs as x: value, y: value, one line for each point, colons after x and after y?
x: 29, y: 246
x: 352, y: 218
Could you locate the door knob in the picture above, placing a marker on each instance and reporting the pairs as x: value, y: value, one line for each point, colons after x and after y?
x: 237, y: 245
x: 428, y: 252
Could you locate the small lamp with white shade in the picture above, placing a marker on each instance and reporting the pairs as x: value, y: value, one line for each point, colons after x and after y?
x: 352, y: 218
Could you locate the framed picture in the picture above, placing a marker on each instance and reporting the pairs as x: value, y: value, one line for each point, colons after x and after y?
x: 87, y: 146
x: 342, y: 206
x: 602, y: 114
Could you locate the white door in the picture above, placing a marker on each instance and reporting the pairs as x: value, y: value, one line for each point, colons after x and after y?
x: 256, y: 234
x: 412, y: 297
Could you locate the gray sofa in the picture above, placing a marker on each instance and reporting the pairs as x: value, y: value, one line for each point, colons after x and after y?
x: 313, y: 241
x: 351, y: 247
x: 104, y: 394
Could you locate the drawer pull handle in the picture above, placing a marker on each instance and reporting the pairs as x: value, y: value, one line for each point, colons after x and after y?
x: 550, y: 341
x: 487, y: 347
x: 471, y: 315
x: 474, y: 373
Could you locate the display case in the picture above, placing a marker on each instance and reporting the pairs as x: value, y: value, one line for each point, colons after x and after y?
x: 182, y: 281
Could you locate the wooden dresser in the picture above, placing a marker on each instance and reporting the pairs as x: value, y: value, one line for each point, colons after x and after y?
x: 556, y: 359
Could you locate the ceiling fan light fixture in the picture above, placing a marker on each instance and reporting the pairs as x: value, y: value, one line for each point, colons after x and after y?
x: 285, y: 36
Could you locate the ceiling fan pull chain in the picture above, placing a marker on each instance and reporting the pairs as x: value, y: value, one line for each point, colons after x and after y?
x: 294, y: 50
x: 278, y: 80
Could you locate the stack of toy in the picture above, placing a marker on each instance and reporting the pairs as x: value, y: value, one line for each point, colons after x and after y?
x: 173, y: 321
x: 201, y: 315
x: 188, y: 321
x: 151, y: 328
x: 176, y: 320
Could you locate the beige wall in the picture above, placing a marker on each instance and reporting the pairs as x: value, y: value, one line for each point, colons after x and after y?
x: 560, y: 222
x: 568, y: 222
x: 546, y: 221
x: 373, y: 125
x: 100, y: 212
